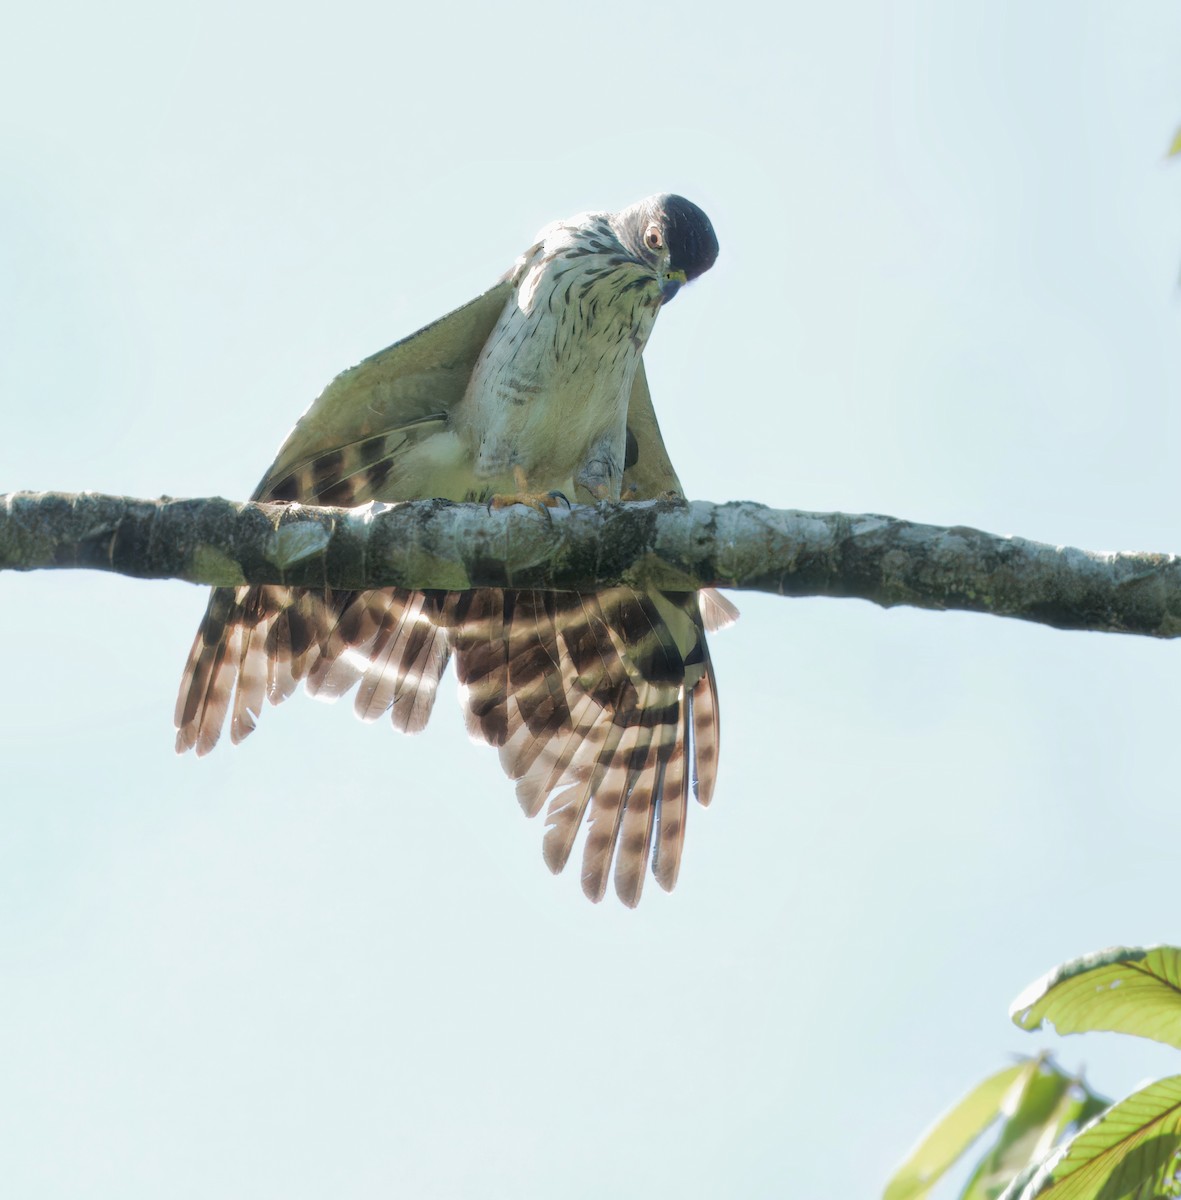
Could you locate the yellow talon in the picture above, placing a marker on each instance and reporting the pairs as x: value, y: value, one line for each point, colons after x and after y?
x: 541, y: 501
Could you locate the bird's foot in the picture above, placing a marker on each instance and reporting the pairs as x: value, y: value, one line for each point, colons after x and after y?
x: 542, y: 502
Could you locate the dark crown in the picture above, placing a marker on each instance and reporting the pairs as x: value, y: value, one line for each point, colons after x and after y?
x: 692, y: 243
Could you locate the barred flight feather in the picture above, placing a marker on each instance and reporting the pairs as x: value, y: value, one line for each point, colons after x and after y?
x: 586, y: 695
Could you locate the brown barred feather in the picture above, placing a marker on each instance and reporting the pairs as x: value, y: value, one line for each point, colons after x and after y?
x: 706, y: 735
x: 550, y: 759
x: 537, y: 674
x: 608, y: 794
x: 588, y: 696
x: 420, y: 653
x: 208, y: 680
x: 380, y: 683
x: 642, y: 800
x: 353, y: 474
x: 346, y: 643
x: 594, y: 700
x: 567, y: 808
x: 477, y: 621
x: 672, y: 810
x: 282, y: 662
x: 251, y: 687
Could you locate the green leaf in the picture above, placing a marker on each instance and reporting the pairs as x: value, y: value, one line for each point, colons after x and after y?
x: 1175, y: 145
x: 1132, y: 1145
x: 1078, y: 1107
x: 957, y: 1129
x: 1124, y: 990
x: 1027, y: 1135
x: 1091, y: 1107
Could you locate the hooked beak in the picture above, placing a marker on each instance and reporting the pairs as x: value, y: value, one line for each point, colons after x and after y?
x: 673, y: 281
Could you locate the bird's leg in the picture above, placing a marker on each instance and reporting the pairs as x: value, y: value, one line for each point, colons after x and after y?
x: 600, y: 491
x: 541, y: 501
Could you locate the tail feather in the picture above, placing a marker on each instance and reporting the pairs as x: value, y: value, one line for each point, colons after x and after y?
x: 567, y: 808
x: 707, y: 732
x: 672, y: 810
x: 609, y: 701
x: 251, y: 688
x: 635, y: 829
x: 608, y: 796
x: 208, y: 680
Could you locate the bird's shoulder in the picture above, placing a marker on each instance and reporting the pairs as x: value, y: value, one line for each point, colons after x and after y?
x: 404, y: 385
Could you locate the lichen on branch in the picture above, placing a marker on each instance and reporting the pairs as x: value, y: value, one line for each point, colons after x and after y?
x: 669, y: 545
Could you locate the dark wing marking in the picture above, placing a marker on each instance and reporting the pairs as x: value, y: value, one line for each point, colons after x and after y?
x: 419, y: 377
x: 614, y: 686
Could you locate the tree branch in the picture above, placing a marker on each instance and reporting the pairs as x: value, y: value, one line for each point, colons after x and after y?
x: 675, y: 546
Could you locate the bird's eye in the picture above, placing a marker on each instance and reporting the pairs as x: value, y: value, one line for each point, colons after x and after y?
x: 653, y: 238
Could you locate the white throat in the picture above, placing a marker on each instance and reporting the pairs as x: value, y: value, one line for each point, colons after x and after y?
x: 548, y: 398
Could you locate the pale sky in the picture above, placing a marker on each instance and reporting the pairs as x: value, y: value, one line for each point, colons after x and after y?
x: 331, y: 961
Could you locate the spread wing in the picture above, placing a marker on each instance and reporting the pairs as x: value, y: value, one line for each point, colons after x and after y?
x: 345, y: 449
x: 602, y: 704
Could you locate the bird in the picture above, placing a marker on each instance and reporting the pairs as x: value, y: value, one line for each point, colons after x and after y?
x: 602, y: 704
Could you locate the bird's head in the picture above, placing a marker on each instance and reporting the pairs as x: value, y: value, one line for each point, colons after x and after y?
x: 671, y: 235
x: 645, y: 252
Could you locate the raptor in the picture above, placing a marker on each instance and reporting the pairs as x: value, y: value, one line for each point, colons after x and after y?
x: 602, y: 704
